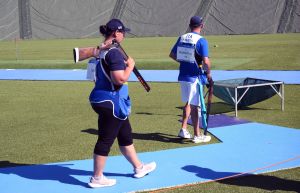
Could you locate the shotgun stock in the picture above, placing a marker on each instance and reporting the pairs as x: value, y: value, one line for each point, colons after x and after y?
x: 80, y: 54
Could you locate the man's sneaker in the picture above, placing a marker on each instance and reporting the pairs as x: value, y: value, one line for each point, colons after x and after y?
x: 184, y: 133
x: 202, y: 139
x: 146, y: 169
x: 101, y: 182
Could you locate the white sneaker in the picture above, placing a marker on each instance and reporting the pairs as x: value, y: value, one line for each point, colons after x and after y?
x: 101, y: 182
x: 146, y: 169
x: 184, y: 133
x: 201, y: 139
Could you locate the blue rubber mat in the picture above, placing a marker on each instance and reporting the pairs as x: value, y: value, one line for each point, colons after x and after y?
x: 220, y: 120
x: 42, y: 74
x: 288, y: 77
x: 246, y: 148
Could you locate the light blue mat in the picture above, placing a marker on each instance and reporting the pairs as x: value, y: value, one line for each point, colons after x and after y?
x: 249, y: 147
x: 288, y: 77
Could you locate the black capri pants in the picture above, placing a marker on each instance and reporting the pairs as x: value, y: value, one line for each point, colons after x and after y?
x: 110, y: 128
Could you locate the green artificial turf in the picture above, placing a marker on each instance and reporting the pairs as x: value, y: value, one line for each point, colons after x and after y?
x: 235, y: 52
x: 51, y: 121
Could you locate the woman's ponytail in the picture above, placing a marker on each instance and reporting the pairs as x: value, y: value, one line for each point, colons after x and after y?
x: 103, y: 30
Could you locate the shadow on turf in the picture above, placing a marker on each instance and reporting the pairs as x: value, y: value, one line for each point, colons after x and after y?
x: 5, y: 164
x: 222, y: 107
x: 62, y: 173
x: 270, y: 183
x: 218, y: 108
x: 146, y: 113
x: 90, y: 131
x: 162, y: 137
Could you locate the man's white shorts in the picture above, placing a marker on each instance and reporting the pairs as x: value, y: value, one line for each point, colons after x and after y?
x: 190, y: 92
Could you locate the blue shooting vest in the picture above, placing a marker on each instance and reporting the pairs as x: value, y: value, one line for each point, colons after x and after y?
x: 105, y: 91
x: 189, y: 70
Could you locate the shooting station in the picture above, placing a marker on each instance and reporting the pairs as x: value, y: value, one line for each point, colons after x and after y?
x: 53, y: 61
x: 244, y: 92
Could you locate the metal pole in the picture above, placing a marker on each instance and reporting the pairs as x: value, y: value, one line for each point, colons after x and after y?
x: 282, y: 97
x: 24, y: 19
x: 16, y: 49
x: 235, y: 101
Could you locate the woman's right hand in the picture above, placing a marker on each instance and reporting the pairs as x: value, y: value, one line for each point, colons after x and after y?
x: 130, y: 63
x: 119, y: 77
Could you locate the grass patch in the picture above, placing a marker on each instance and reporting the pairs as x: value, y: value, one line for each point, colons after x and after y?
x: 235, y: 52
x: 51, y: 121
x: 36, y: 115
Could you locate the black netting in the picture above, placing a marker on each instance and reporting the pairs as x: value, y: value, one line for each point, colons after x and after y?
x: 225, y: 90
x: 79, y: 19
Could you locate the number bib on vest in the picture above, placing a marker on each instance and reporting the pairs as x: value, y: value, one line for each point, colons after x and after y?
x: 185, y: 54
x: 186, y: 47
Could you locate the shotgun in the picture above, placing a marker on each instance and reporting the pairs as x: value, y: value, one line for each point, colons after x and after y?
x: 80, y: 54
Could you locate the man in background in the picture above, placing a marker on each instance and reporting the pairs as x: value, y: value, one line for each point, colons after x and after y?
x: 191, y: 51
